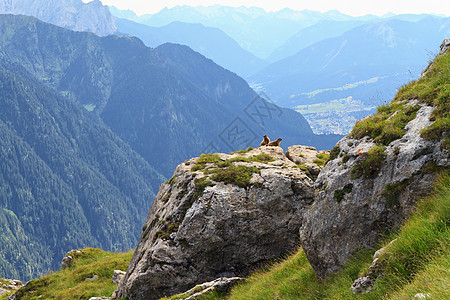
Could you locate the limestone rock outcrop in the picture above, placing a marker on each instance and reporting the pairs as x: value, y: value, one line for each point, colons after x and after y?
x: 8, y: 286
x: 71, y: 14
x: 219, y: 215
x: 366, y: 282
x: 221, y: 285
x: 67, y: 260
x: 117, y: 276
x: 307, y: 157
x: 354, y: 204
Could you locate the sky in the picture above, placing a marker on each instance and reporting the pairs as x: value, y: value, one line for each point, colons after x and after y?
x: 351, y: 7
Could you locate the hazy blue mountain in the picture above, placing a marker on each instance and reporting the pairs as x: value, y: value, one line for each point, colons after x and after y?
x: 224, y: 87
x: 256, y: 30
x: 66, y: 180
x: 210, y: 42
x: 147, y: 97
x: 367, y: 64
x: 72, y: 14
x: 311, y: 35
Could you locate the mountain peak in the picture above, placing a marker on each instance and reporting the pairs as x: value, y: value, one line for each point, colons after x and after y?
x: 71, y: 14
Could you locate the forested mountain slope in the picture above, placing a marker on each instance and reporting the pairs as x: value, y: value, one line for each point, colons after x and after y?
x: 66, y: 180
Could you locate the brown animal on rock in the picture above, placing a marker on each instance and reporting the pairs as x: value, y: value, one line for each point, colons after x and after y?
x: 275, y: 143
x: 265, y: 141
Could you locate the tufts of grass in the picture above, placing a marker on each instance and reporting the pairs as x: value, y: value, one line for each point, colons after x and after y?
x: 166, y: 231
x: 306, y: 170
x: 334, y: 153
x: 339, y: 194
x: 171, y: 181
x: 200, y: 185
x: 436, y: 130
x: 387, y: 124
x: 321, y: 159
x: 71, y: 283
x: 206, y: 159
x: 391, y: 192
x: 446, y: 144
x: 434, y: 89
x: 215, y: 159
x: 242, y: 151
x: 370, y: 164
x: 237, y: 175
x: 262, y: 158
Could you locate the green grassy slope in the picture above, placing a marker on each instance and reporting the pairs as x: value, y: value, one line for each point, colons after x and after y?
x: 71, y: 283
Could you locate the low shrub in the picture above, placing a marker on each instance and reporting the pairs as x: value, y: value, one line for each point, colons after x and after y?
x: 369, y: 164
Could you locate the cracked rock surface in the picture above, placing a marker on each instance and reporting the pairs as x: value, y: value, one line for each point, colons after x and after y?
x: 350, y: 214
x: 196, y: 235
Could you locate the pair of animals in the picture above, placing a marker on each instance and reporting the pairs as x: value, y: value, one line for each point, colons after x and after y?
x: 266, y: 142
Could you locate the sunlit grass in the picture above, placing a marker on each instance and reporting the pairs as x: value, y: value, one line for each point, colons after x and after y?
x: 71, y: 283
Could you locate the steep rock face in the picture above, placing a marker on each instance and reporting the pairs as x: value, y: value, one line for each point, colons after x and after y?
x: 359, y: 196
x: 219, y: 215
x: 70, y: 14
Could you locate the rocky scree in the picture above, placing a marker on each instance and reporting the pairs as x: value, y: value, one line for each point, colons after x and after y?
x: 219, y: 215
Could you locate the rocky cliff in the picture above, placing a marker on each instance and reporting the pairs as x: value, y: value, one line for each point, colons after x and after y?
x: 71, y: 14
x: 379, y: 171
x: 218, y: 216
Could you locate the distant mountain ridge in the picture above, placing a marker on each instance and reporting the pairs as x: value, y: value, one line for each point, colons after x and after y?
x: 312, y: 34
x: 210, y: 42
x: 71, y: 14
x: 146, y: 96
x: 366, y: 64
x: 394, y: 45
x: 256, y: 30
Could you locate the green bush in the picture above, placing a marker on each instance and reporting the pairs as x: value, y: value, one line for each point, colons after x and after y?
x: 391, y: 192
x: 339, y: 194
x: 237, y: 175
x: 369, y: 164
x: 334, y: 153
x: 321, y: 159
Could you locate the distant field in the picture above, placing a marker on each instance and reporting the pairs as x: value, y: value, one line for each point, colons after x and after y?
x: 335, y: 116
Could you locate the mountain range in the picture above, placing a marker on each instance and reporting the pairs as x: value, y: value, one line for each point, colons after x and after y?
x: 72, y: 14
x: 145, y: 95
x: 319, y: 64
x: 362, y: 67
x: 256, y: 30
x: 210, y: 42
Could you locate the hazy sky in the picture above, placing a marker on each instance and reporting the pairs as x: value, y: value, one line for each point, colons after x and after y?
x: 351, y: 7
